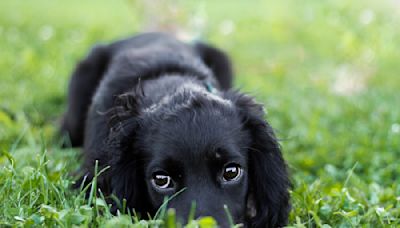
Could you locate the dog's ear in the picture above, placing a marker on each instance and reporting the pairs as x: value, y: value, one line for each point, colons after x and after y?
x: 125, y: 108
x: 268, y: 197
x: 127, y: 182
x: 126, y: 171
x: 82, y: 86
x: 218, y: 62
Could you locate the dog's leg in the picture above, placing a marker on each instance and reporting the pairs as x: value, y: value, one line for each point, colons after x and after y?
x: 218, y: 62
x: 84, y: 81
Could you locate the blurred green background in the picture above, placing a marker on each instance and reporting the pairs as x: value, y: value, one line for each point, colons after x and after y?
x: 327, y: 72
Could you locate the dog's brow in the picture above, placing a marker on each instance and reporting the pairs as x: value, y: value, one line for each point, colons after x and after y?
x: 222, y: 154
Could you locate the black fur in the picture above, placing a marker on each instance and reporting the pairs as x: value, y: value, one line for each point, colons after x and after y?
x: 152, y: 104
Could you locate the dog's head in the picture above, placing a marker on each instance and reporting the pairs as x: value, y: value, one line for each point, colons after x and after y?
x: 204, y: 149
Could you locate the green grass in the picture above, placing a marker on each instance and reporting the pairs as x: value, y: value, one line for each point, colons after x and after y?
x: 342, y: 144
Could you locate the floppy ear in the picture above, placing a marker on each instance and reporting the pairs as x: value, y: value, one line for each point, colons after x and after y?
x: 218, y: 62
x: 269, y: 181
x: 82, y: 86
x: 126, y: 171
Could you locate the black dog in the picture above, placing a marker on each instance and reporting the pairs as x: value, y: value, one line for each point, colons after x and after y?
x: 159, y: 112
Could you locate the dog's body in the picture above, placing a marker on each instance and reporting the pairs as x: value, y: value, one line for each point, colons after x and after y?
x: 160, y: 113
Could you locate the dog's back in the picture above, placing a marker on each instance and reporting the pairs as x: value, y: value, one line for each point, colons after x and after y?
x: 110, y: 70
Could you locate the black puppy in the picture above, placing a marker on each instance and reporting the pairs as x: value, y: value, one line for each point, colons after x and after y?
x: 159, y: 112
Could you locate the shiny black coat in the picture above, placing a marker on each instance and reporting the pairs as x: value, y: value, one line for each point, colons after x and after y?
x: 152, y: 103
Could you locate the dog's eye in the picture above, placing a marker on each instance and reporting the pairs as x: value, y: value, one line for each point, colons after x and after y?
x: 232, y: 172
x: 161, y: 180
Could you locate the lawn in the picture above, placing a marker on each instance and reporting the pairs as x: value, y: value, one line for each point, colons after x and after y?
x: 327, y: 72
